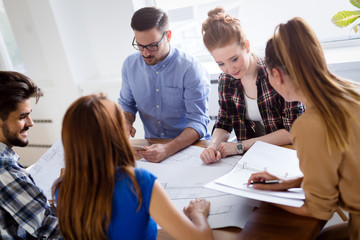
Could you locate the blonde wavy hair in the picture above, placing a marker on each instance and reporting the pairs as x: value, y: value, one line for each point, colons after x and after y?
x: 295, y: 50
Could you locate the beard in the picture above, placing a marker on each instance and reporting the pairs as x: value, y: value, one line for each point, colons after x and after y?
x: 149, y: 59
x: 13, y: 138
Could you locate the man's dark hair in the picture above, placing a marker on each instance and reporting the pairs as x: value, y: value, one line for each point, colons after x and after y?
x: 15, y: 88
x: 148, y: 18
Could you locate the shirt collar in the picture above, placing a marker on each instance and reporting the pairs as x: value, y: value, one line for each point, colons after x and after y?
x: 8, y: 151
x: 166, y: 61
x: 261, y: 72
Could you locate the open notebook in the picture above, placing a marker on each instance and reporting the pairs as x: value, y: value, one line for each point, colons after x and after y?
x: 262, y: 156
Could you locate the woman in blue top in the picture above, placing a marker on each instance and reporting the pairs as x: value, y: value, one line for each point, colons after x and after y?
x: 101, y: 195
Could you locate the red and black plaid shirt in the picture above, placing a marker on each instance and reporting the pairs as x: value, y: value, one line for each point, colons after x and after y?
x: 275, y: 112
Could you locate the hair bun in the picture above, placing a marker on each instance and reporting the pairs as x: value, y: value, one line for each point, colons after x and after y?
x: 220, y: 28
x: 217, y: 13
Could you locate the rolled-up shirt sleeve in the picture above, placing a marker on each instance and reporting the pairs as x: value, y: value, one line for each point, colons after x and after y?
x: 196, y: 98
x: 126, y: 99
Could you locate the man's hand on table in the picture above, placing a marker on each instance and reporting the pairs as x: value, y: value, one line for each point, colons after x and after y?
x: 155, y: 153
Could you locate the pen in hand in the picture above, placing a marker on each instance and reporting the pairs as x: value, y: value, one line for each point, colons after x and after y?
x: 267, y: 182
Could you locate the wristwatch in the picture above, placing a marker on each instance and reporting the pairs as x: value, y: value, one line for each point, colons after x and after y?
x: 240, y: 147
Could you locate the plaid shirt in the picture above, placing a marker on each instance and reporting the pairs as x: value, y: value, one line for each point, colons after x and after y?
x: 275, y: 112
x: 24, y: 212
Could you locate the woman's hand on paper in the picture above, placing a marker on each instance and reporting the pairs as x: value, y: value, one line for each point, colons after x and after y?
x: 197, y: 206
x: 227, y: 149
x: 265, y: 176
x: 210, y: 155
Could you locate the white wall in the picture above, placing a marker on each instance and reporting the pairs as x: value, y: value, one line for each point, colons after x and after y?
x: 69, y: 48
x: 77, y: 47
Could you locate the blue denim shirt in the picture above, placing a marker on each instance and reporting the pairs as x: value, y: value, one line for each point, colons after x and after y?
x: 170, y: 96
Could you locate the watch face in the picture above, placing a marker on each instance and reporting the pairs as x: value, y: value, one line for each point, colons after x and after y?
x: 240, y: 148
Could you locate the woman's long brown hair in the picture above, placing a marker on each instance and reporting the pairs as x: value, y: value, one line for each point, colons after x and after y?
x: 95, y: 147
x: 295, y: 49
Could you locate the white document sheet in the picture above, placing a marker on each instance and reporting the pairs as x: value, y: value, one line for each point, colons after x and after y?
x: 262, y: 156
x: 235, y: 178
x: 255, y: 195
x: 182, y: 175
x: 47, y: 169
x: 225, y: 211
x: 277, y: 160
x: 185, y: 183
x: 190, y: 156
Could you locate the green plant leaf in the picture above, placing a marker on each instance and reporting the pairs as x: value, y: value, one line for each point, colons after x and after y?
x: 344, y: 18
x: 356, y: 3
x: 356, y: 28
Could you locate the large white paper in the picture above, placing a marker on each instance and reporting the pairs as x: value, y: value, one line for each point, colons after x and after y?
x: 255, y: 195
x: 185, y: 180
x: 182, y: 175
x: 262, y: 156
x: 239, y: 179
x: 225, y: 211
x: 47, y: 169
x: 190, y: 157
x: 277, y: 160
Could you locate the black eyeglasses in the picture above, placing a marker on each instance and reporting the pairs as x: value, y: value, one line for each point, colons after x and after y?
x: 150, y: 47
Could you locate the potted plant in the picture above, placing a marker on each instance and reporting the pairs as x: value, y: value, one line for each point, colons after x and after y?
x: 345, y: 18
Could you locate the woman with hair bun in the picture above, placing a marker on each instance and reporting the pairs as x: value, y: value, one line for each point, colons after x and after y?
x: 247, y: 102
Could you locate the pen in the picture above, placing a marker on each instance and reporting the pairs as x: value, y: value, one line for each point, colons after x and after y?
x: 267, y: 182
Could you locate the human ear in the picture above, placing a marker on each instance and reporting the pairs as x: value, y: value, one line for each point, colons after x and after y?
x: 247, y: 46
x: 168, y: 35
x: 276, y: 73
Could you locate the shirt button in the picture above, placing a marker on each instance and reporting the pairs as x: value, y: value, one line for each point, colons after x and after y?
x: 157, y: 89
x: 157, y: 72
x: 157, y: 106
x: 162, y: 134
x: 158, y: 122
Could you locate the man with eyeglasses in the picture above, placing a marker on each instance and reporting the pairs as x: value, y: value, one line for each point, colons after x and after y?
x: 168, y: 87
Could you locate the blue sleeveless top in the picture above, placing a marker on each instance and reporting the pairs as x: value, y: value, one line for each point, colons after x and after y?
x: 126, y: 222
